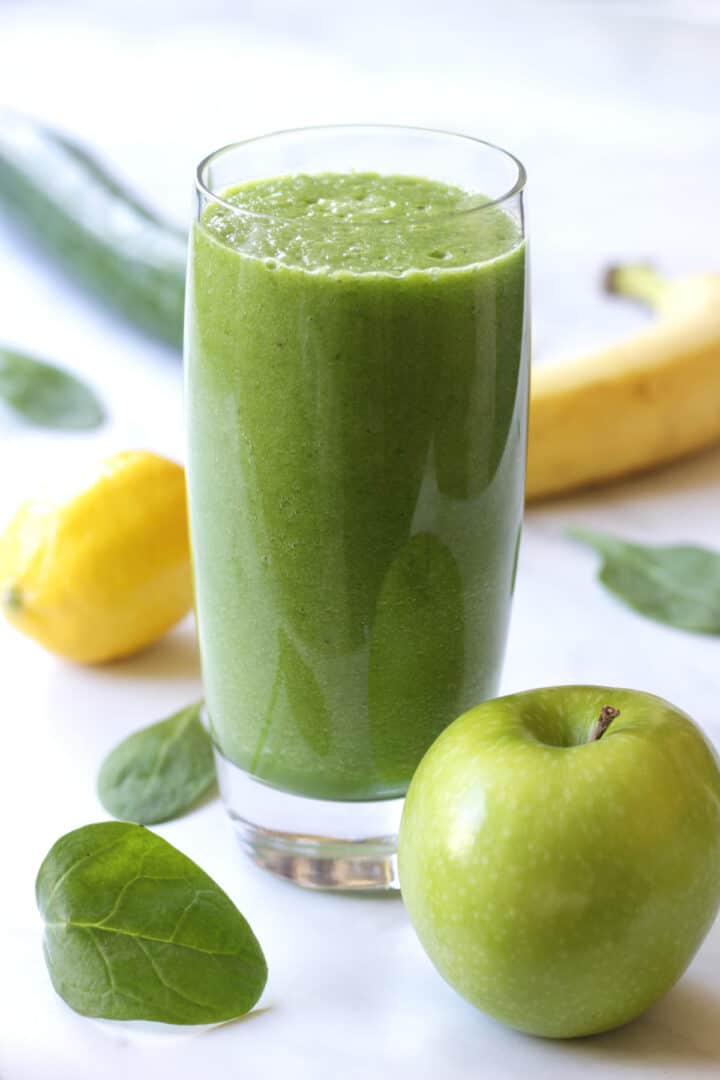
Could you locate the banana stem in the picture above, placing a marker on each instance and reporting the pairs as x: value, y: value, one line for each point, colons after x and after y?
x: 637, y: 281
x: 11, y: 598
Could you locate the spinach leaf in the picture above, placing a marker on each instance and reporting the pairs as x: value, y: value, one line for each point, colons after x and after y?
x: 46, y: 395
x: 678, y: 585
x: 135, y: 930
x: 159, y: 772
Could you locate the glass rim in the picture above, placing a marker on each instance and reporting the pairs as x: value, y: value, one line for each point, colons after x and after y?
x: 517, y: 187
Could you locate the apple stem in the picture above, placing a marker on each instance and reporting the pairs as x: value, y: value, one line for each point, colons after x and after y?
x: 603, y: 722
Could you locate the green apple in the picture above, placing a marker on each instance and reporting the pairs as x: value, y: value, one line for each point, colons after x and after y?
x: 561, y: 862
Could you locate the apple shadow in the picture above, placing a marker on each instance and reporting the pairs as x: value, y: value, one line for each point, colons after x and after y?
x: 681, y: 1032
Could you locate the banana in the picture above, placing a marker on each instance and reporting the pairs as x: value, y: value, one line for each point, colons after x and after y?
x: 644, y: 401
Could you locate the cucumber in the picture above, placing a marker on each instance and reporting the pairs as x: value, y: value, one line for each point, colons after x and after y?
x: 92, y: 226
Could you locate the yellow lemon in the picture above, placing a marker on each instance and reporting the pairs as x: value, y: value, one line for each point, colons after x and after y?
x: 105, y: 569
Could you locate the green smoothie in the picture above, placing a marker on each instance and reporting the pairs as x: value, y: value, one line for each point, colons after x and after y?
x: 357, y: 404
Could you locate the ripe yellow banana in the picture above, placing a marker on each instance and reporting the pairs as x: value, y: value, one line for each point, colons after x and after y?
x: 646, y: 400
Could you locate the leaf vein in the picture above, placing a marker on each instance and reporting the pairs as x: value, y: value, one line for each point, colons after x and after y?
x: 83, y: 858
x: 73, y: 924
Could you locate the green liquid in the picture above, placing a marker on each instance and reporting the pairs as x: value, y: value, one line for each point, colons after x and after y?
x: 357, y: 396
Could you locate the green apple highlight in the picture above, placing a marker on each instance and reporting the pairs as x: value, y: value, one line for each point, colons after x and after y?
x: 561, y: 870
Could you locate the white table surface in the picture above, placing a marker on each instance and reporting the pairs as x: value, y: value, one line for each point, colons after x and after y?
x: 613, y: 106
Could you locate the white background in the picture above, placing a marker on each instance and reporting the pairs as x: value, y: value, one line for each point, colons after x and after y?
x: 614, y: 109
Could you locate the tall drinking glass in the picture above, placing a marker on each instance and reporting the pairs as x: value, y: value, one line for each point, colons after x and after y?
x: 357, y: 388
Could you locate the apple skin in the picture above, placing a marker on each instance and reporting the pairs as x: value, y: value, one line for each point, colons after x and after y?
x: 563, y: 886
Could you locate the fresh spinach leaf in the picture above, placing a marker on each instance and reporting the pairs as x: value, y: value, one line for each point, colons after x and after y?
x: 46, y: 395
x: 677, y: 585
x: 159, y: 772
x: 135, y: 930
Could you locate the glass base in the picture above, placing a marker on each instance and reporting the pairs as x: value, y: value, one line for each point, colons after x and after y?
x: 316, y: 843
